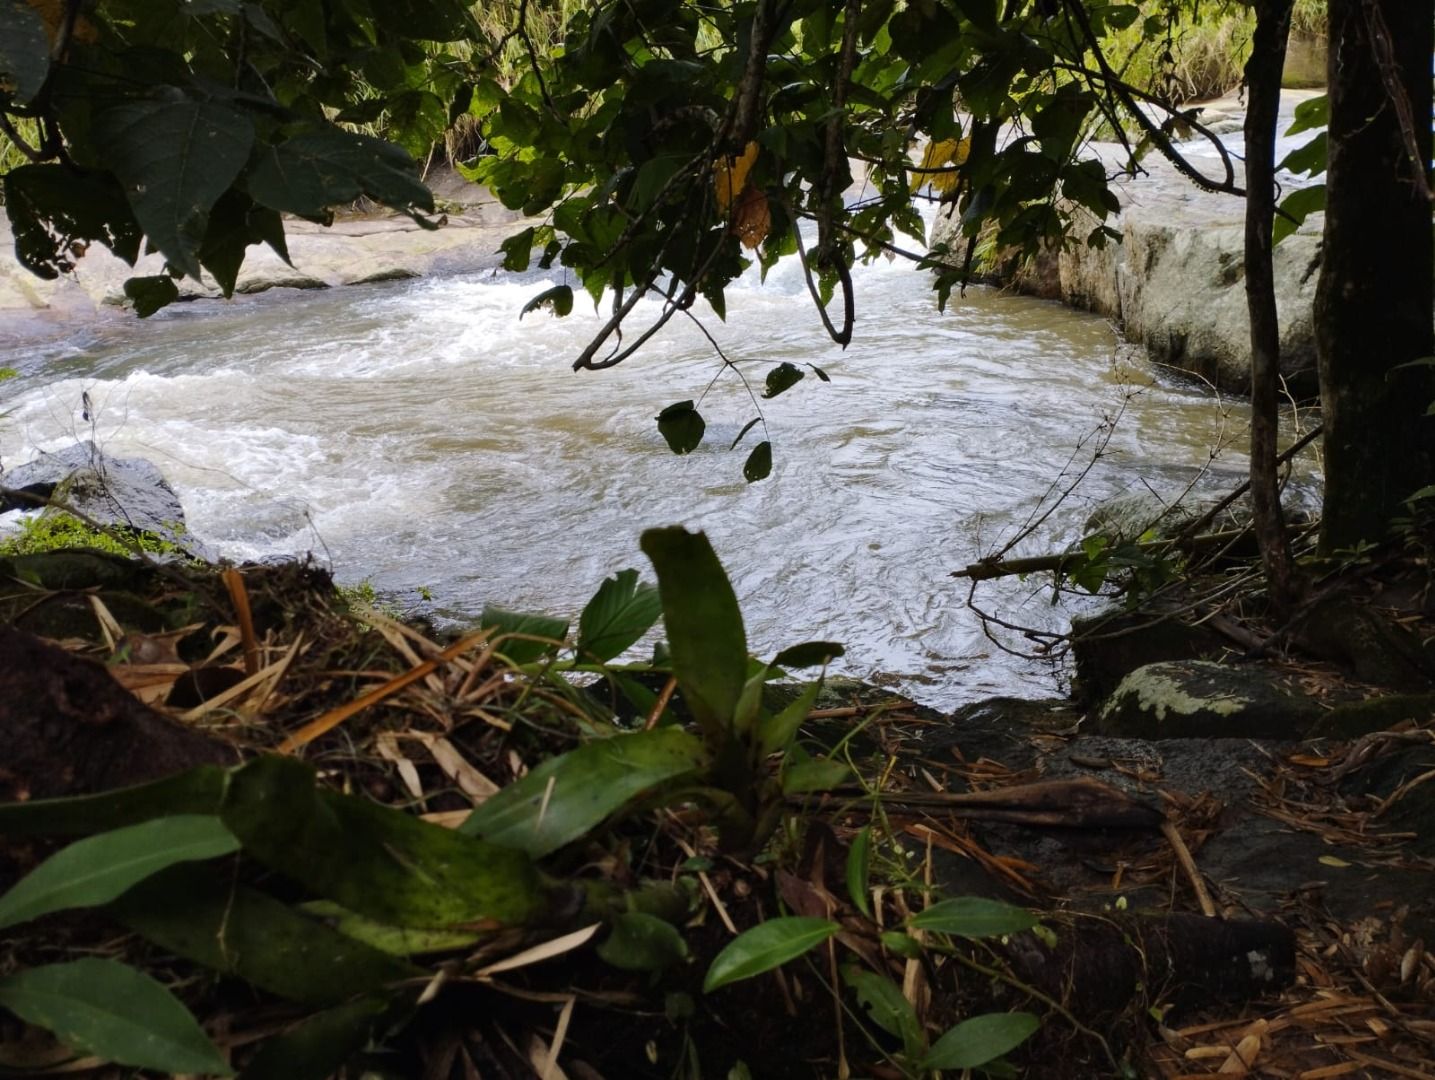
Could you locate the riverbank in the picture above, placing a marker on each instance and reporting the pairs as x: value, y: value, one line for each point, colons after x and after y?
x: 1175, y: 284
x: 355, y: 250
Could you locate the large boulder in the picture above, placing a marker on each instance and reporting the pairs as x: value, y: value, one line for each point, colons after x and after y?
x: 1186, y: 699
x: 126, y: 492
x: 1176, y: 281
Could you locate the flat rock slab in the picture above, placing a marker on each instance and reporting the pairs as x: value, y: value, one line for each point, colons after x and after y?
x: 1184, y: 699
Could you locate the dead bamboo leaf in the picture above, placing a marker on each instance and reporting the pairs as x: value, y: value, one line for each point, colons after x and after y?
x: 538, y: 953
x: 472, y: 782
x: 239, y: 596
x: 386, y: 746
x: 334, y: 717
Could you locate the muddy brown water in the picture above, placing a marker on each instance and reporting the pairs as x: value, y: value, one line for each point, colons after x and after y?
x: 421, y: 436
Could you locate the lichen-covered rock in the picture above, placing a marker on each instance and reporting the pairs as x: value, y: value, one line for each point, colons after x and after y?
x: 1203, y: 699
x: 127, y: 492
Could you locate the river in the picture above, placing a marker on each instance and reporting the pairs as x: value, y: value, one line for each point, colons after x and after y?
x: 420, y: 436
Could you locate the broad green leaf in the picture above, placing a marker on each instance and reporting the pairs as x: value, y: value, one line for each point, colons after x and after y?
x: 640, y: 942
x: 814, y: 774
x: 318, y: 1047
x: 682, y: 426
x: 374, y: 860
x: 1295, y: 208
x: 775, y: 732
x: 974, y: 1042
x: 859, y: 870
x: 758, y: 465
x: 24, y: 50
x: 565, y: 797
x: 99, y: 868
x: 808, y: 654
x: 522, y: 648
x: 149, y: 294
x: 235, y: 224
x: 1310, y: 158
x: 517, y: 250
x: 706, y: 638
x: 394, y: 940
x: 558, y: 299
x: 973, y: 917
x: 889, y: 1010
x: 55, y: 211
x: 309, y: 173
x: 105, y: 1008
x: 196, y: 791
x: 175, y: 159
x: 621, y: 611
x: 237, y: 930
x: 783, y: 377
x: 766, y: 946
x: 1313, y: 113
x: 820, y: 373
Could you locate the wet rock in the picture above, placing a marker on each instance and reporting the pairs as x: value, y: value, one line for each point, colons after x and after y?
x: 1202, y: 699
x: 1110, y: 646
x: 1369, y: 643
x: 1176, y: 281
x: 126, y: 492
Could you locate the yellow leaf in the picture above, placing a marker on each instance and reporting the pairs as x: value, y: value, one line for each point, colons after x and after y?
x: 1331, y: 860
x: 936, y: 157
x: 730, y: 176
x: 751, y: 218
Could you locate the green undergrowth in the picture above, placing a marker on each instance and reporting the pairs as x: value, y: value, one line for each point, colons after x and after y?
x: 60, y: 531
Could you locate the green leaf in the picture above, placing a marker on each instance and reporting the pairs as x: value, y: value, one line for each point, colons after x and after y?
x: 565, y: 797
x: 682, y: 426
x: 114, y: 1012
x: 98, y: 869
x: 758, y: 465
x: 783, y: 377
x: 1310, y: 158
x: 808, y: 654
x: 904, y: 945
x: 197, y: 791
x: 745, y: 429
x: 322, y: 1043
x: 889, y: 1010
x: 621, y: 611
x: 24, y: 49
x: 558, y: 299
x: 815, y: 774
x: 236, y: 930
x: 394, y: 940
x: 309, y: 173
x: 775, y: 732
x: 549, y: 631
x: 973, y: 917
x: 1296, y: 207
x: 640, y: 942
x: 974, y: 1042
x: 517, y: 250
x: 766, y: 946
x: 706, y: 638
x: 859, y: 870
x: 820, y: 373
x: 1313, y: 113
x: 149, y: 294
x: 374, y: 860
x: 234, y: 224
x: 174, y: 159
x: 56, y: 210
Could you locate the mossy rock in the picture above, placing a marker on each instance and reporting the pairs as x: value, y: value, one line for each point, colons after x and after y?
x: 1353, y: 719
x: 77, y: 568
x: 1110, y: 646
x: 1201, y: 699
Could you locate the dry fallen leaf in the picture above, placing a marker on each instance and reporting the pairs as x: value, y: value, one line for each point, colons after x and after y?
x: 730, y: 175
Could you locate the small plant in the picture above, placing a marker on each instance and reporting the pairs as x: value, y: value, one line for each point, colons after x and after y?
x: 58, y: 531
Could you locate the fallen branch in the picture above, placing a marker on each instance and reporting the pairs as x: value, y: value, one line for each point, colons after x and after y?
x: 995, y: 568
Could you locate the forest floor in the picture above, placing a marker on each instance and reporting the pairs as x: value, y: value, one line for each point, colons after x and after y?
x: 1209, y: 907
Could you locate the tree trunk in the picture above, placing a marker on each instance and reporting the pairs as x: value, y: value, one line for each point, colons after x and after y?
x: 1263, y: 89
x: 1373, y: 309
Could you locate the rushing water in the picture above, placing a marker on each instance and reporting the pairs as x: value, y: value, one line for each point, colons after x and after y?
x: 419, y: 435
